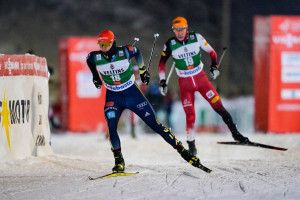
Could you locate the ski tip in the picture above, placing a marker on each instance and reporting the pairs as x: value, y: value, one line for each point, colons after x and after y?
x: 280, y: 149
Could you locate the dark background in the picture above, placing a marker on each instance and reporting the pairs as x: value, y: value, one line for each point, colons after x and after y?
x: 37, y: 25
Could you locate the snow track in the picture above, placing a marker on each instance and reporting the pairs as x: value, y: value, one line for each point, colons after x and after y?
x: 238, y: 172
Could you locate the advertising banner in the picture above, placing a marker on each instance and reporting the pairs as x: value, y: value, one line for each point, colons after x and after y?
x: 82, y: 103
x: 280, y: 75
x: 24, y: 102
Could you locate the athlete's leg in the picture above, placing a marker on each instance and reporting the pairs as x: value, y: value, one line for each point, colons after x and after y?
x: 187, y: 95
x: 112, y: 111
x: 137, y: 102
x: 207, y: 90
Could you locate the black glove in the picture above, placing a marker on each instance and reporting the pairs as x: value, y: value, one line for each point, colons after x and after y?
x: 163, y: 88
x: 145, y: 77
x: 97, y: 82
x: 214, y: 72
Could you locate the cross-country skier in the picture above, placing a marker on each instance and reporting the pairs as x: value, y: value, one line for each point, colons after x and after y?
x: 185, y: 49
x: 115, y: 68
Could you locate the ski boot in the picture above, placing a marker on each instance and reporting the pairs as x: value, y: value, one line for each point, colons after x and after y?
x: 187, y: 156
x: 237, y: 136
x: 119, y: 162
x: 192, y: 147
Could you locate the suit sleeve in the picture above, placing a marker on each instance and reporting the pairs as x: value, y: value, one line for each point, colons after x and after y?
x: 207, y: 48
x: 91, y: 63
x: 137, y: 54
x: 166, y: 53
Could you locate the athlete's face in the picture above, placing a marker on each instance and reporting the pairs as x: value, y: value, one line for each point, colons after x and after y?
x: 105, y: 46
x: 180, y: 32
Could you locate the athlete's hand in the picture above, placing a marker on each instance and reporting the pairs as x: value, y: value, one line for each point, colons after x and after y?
x: 214, y: 72
x: 97, y: 82
x: 145, y: 77
x: 163, y: 88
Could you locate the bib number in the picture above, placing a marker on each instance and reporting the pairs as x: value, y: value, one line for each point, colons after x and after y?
x: 115, y: 77
x: 189, y: 61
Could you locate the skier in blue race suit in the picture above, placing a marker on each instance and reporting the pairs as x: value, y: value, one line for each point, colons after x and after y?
x: 113, y: 64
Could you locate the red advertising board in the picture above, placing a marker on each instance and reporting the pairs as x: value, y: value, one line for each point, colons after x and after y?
x: 277, y: 73
x: 82, y: 104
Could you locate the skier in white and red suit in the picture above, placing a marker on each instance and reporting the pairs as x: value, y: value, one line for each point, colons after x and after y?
x: 185, y: 48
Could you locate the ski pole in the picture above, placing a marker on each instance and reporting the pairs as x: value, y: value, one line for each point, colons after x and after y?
x: 224, y: 51
x: 156, y: 35
x: 170, y: 73
x: 135, y: 40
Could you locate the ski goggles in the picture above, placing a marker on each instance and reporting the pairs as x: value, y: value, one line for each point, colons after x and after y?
x: 105, y: 44
x: 178, y: 29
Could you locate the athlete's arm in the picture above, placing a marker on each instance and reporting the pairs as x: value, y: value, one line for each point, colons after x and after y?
x: 137, y: 54
x: 166, y: 53
x: 91, y: 63
x: 207, y: 48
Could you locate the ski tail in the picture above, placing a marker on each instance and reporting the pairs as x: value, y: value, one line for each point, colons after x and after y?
x: 254, y: 144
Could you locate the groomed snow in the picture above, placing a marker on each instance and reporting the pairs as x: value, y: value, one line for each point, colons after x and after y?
x: 238, y: 172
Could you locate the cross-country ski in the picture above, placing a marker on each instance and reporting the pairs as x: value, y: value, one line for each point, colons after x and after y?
x: 254, y: 144
x: 114, y: 174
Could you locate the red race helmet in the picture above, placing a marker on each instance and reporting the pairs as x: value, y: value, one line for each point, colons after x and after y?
x: 106, y: 36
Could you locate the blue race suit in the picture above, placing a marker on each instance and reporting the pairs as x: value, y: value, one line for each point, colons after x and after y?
x: 125, y: 95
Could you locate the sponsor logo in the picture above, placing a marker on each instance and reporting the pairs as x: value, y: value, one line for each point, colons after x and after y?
x: 185, y: 49
x: 205, y: 44
x: 110, y: 103
x: 190, y: 67
x: 290, y: 94
x: 147, y: 114
x: 173, y: 42
x: 40, y: 140
x: 111, y: 114
x: 130, y: 48
x: 112, y: 72
x: 190, y: 72
x: 288, y: 107
x: 210, y: 94
x: 98, y: 57
x: 13, y: 112
x: 11, y: 65
x: 215, y: 99
x: 141, y: 105
x: 112, y: 66
x: 121, y: 87
x: 117, y: 82
x: 186, y: 103
x: 110, y: 108
x: 121, y: 53
x: 290, y: 25
x: 192, y: 37
x: 289, y: 40
x: 185, y: 55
